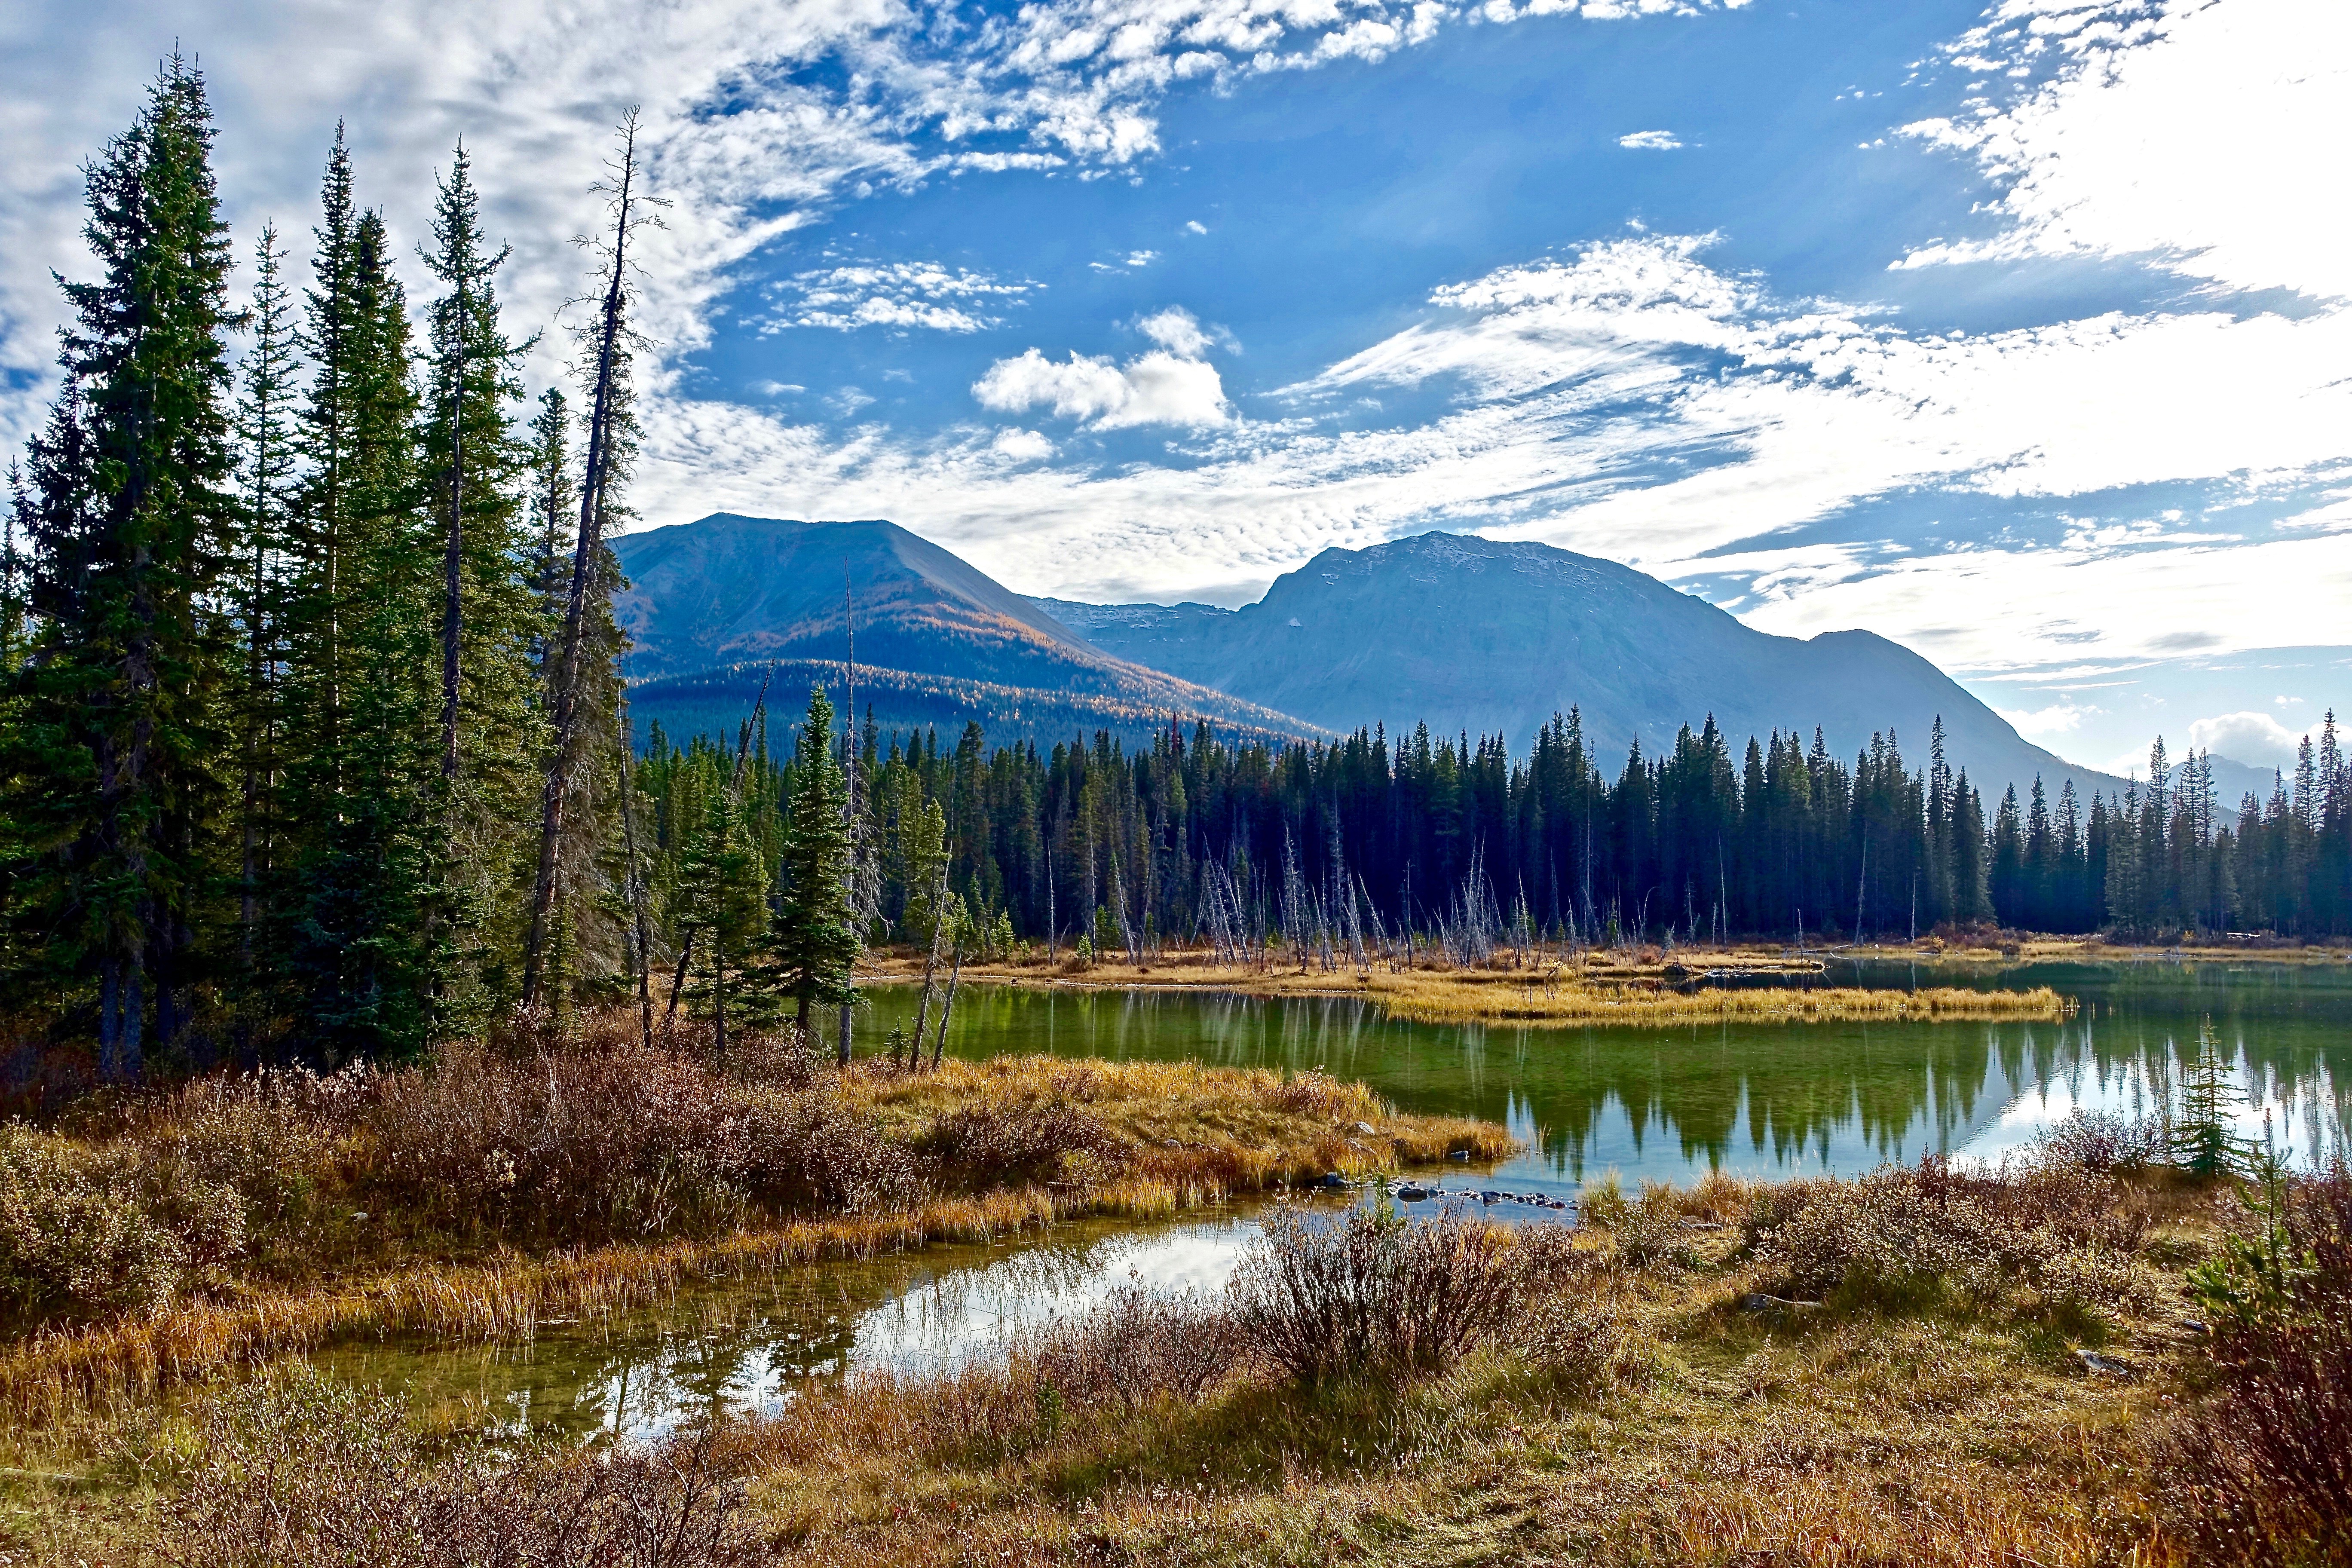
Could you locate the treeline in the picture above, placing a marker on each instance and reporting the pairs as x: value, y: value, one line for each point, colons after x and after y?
x: 311, y: 730
x: 1458, y: 841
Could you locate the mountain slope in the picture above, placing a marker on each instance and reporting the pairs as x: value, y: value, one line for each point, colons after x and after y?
x: 1495, y: 638
x: 711, y: 598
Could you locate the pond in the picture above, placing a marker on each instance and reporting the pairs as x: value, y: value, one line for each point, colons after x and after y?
x: 1755, y: 1098
x: 1768, y: 1100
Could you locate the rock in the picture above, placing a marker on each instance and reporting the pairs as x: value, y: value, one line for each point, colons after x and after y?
x: 1333, y: 1180
x: 1459, y: 1154
x: 359, y: 1216
x: 1411, y: 1193
x: 1490, y: 1198
x: 1758, y: 1302
x: 1364, y: 1129
x: 2093, y: 1361
x: 2197, y: 1325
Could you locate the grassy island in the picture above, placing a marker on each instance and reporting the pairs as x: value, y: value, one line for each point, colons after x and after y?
x: 1653, y: 989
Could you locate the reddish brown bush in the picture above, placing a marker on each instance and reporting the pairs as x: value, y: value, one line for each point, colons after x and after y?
x: 304, y: 1474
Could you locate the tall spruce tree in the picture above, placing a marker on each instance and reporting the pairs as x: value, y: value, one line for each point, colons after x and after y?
x: 812, y: 937
x: 490, y: 627
x: 362, y: 767
x: 265, y: 472
x: 118, y: 759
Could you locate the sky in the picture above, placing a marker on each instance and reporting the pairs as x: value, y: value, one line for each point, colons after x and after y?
x: 2022, y: 336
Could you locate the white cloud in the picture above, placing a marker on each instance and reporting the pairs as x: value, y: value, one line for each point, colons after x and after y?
x: 1650, y: 140
x: 2253, y: 738
x: 1023, y: 446
x: 1141, y: 257
x: 1194, y: 226
x: 1157, y: 388
x: 1176, y: 329
x: 904, y: 294
x: 2205, y: 133
x: 2058, y: 719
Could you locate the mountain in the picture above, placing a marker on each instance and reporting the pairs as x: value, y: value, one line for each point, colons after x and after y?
x: 1476, y: 634
x: 712, y: 604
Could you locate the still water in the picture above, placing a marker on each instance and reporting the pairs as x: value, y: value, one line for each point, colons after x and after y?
x: 1768, y: 1100
x: 1660, y: 1104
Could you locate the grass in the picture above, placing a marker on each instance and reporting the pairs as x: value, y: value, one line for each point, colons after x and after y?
x: 1159, y: 1138
x: 1636, y: 991
x: 1626, y: 1409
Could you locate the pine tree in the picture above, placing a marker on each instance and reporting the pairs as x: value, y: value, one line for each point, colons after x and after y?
x: 357, y: 948
x: 266, y: 461
x: 813, y: 937
x: 490, y: 615
x: 118, y: 760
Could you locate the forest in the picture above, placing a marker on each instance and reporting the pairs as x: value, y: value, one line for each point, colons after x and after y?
x: 314, y: 740
x: 1454, y: 840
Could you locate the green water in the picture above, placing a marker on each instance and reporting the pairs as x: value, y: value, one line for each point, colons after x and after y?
x: 1754, y: 1098
x: 1778, y: 1099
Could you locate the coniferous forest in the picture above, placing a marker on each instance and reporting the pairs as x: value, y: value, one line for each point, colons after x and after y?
x: 314, y: 742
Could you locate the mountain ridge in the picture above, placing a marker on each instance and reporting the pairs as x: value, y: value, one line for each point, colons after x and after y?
x: 1495, y: 637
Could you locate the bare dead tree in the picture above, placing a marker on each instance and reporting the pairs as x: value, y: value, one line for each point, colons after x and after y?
x: 627, y: 205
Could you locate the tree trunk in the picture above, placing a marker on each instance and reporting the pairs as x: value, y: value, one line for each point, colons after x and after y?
x: 940, y: 1045
x: 583, y: 566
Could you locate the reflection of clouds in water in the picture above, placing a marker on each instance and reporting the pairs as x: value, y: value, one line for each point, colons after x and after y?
x: 955, y: 1315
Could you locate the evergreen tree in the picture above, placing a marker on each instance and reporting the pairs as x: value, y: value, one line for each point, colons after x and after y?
x: 813, y: 937
x: 489, y: 620
x: 358, y: 953
x: 266, y: 463
x: 117, y: 759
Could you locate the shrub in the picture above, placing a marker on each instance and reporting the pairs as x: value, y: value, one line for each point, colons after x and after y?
x: 1905, y: 1234
x: 580, y: 1143
x: 89, y: 1231
x: 1043, y: 1142
x: 2270, y: 1452
x: 1650, y: 1229
x: 304, y: 1474
x: 2103, y: 1142
x: 1137, y: 1346
x: 1319, y: 1297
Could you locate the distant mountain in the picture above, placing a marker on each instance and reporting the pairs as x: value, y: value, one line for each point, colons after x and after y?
x: 715, y: 701
x: 939, y: 641
x: 1468, y: 633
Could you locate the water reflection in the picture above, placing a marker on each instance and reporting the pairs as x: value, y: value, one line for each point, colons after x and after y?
x: 1754, y: 1098
x: 750, y: 1346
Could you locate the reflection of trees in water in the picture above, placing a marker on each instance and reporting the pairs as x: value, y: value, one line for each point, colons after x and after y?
x: 1776, y: 1096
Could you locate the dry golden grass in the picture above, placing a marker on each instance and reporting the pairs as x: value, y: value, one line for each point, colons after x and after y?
x: 1556, y: 997
x: 1855, y: 1439
x: 1187, y: 1136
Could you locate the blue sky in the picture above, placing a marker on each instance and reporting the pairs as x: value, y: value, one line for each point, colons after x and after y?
x: 2017, y: 336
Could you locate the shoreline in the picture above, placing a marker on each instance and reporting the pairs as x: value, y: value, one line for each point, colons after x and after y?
x: 1555, y: 996
x: 1250, y: 1141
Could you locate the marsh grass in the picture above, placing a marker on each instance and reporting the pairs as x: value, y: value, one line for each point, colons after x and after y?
x: 832, y: 1169
x: 1617, y: 1413
x: 1539, y: 995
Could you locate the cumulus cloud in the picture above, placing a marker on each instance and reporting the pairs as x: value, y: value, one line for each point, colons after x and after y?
x: 1023, y: 446
x: 2058, y: 719
x: 1650, y: 140
x: 1156, y: 388
x: 2253, y: 738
